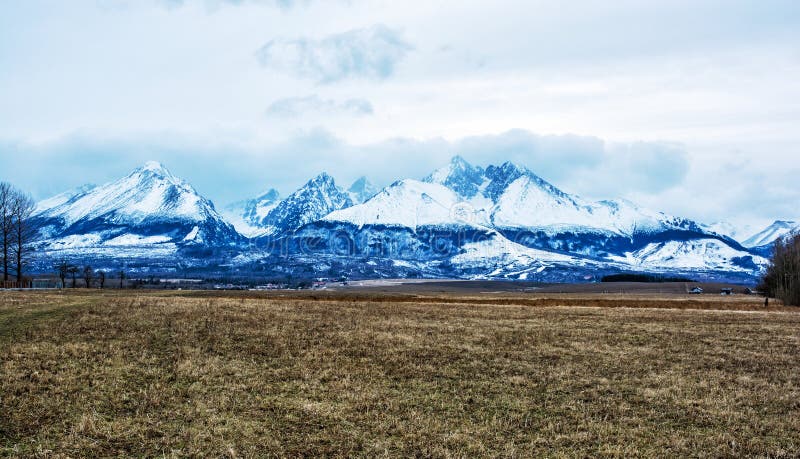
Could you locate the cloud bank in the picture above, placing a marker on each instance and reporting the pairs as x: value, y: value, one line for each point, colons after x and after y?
x: 577, y: 164
x: 293, y: 107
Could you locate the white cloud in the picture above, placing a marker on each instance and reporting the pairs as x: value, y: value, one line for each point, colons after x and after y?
x: 366, y: 53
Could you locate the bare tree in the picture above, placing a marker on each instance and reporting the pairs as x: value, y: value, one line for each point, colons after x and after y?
x: 63, y: 270
x: 73, y: 271
x: 101, y: 277
x: 121, y: 278
x: 782, y: 279
x: 87, y: 276
x: 22, y: 230
x: 6, y: 212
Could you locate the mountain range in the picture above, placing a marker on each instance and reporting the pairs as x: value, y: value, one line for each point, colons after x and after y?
x: 460, y: 221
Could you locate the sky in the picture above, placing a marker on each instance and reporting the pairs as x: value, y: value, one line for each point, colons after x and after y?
x: 687, y: 107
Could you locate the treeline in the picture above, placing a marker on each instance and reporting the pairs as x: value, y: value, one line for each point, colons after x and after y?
x: 16, y: 232
x: 650, y: 278
x: 782, y: 279
x: 88, y: 276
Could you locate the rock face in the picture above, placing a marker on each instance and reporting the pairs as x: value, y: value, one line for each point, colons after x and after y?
x: 314, y: 200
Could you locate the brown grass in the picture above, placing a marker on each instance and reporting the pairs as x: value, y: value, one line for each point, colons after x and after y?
x: 158, y: 374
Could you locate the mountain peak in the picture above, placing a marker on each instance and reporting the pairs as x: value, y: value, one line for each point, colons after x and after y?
x: 317, y: 198
x: 459, y: 161
x: 458, y: 175
x: 270, y: 195
x: 509, y: 167
x: 149, y: 202
x: 155, y: 169
x: 778, y: 229
x: 152, y: 166
x: 322, y: 179
x: 359, y: 184
x: 361, y: 190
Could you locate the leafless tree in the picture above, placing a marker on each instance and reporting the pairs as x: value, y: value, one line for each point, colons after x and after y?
x: 101, y: 277
x: 121, y: 278
x: 22, y: 230
x: 6, y: 212
x: 73, y: 271
x: 782, y: 279
x: 63, y: 270
x: 87, y: 276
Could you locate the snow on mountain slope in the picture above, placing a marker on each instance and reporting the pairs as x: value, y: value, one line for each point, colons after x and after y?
x: 314, y: 200
x: 770, y: 234
x: 545, y: 223
x: 505, y: 196
x: 696, y: 254
x: 62, y: 198
x: 524, y: 200
x: 246, y: 216
x: 723, y: 228
x: 460, y: 176
x: 526, y: 203
x: 258, y: 208
x: 409, y: 203
x: 514, y: 197
x: 147, y: 192
x: 361, y: 190
x: 461, y: 220
x: 505, y: 257
x: 149, y: 202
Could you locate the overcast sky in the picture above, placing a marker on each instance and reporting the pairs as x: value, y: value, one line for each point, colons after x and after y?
x: 689, y: 107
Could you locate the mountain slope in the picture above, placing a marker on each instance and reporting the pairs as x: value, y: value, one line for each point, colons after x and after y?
x: 529, y: 212
x: 770, y: 234
x: 460, y: 221
x: 246, y: 216
x: 460, y: 176
x: 723, y: 228
x: 361, y: 190
x: 409, y: 203
x: 149, y: 207
x: 314, y: 200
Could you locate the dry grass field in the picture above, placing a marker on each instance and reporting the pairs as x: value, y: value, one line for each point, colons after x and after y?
x: 261, y: 375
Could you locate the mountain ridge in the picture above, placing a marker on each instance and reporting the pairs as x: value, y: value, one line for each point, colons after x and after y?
x: 460, y: 220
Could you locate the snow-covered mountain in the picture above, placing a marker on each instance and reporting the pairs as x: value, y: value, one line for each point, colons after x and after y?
x: 513, y: 197
x: 506, y: 197
x: 361, y: 190
x: 62, y: 198
x: 512, y: 202
x: 314, y: 200
x: 460, y: 176
x: 148, y: 212
x: 765, y: 238
x: 736, y: 232
x: 247, y: 216
x: 460, y: 221
x: 408, y: 203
